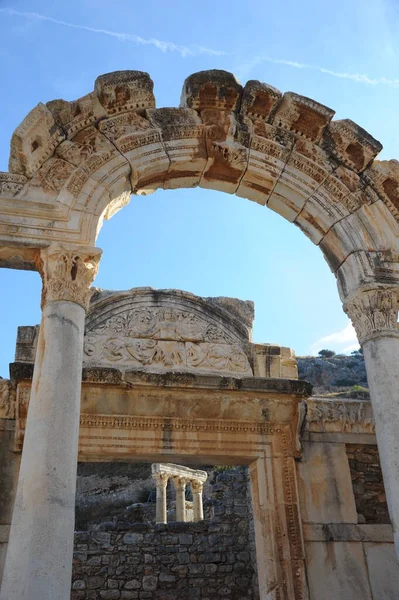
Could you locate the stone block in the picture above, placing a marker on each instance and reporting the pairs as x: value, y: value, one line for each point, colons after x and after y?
x: 34, y: 141
x: 258, y: 100
x: 133, y: 538
x: 325, y: 485
x: 150, y: 583
x: 383, y: 567
x: 122, y: 91
x: 133, y: 584
x: 351, y: 144
x: 110, y: 594
x: 95, y: 582
x: 185, y: 539
x: 302, y: 116
x: 337, y: 570
x: 214, y: 89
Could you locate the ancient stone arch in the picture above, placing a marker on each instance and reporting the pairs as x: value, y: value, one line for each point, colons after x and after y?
x: 74, y: 164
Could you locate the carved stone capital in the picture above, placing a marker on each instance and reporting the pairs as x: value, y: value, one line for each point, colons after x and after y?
x: 180, y: 483
x: 67, y: 273
x: 161, y: 479
x: 196, y: 486
x: 374, y: 312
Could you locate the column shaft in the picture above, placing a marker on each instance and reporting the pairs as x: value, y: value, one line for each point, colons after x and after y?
x: 180, y: 502
x: 39, y: 558
x: 161, y: 512
x: 197, y: 505
x: 381, y: 356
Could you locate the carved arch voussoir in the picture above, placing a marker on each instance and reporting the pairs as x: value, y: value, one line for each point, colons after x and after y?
x: 280, y: 150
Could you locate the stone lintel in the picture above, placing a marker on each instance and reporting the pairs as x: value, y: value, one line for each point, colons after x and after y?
x: 20, y: 371
x: 179, y: 471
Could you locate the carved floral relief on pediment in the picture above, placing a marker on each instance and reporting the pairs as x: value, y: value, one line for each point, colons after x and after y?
x: 162, y: 338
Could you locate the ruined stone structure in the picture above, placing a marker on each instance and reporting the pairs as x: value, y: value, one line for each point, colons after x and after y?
x: 213, y: 558
x: 180, y: 476
x: 74, y: 164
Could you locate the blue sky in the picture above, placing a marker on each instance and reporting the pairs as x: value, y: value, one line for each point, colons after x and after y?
x: 341, y: 53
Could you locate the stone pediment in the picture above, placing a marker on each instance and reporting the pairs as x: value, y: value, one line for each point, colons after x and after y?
x: 164, y: 330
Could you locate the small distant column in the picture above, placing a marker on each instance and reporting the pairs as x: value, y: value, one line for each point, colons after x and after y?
x: 196, y: 487
x: 161, y: 482
x: 180, y: 486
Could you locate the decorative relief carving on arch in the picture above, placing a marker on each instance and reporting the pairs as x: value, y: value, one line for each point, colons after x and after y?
x: 282, y: 150
x: 11, y: 184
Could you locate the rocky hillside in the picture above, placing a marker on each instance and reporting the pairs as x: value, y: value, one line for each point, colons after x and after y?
x: 339, y: 374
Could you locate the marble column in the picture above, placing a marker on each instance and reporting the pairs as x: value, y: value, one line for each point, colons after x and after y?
x: 180, y: 486
x: 161, y: 512
x: 198, y: 510
x: 374, y: 314
x: 39, y: 557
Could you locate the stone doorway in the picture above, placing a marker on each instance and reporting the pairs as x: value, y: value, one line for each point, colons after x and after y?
x: 120, y: 553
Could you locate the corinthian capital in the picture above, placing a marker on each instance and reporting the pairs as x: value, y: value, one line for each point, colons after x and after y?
x: 180, y: 483
x: 161, y: 479
x: 374, y: 312
x: 197, y: 485
x: 67, y: 273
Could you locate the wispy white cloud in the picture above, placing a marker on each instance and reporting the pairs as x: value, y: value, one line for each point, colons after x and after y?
x: 357, y: 77
x: 342, y: 342
x: 184, y: 51
x: 244, y: 69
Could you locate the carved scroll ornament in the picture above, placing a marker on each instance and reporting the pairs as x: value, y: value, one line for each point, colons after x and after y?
x: 67, y: 274
x: 373, y: 311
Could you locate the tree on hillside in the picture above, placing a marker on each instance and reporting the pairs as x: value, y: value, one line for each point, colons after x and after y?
x: 326, y: 353
x: 357, y: 352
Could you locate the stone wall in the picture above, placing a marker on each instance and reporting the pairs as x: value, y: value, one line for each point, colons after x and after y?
x: 215, y: 558
x: 368, y: 486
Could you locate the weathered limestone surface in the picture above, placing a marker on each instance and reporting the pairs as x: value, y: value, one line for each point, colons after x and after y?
x: 382, y: 357
x: 40, y: 538
x: 383, y: 568
x: 9, y: 467
x: 374, y: 313
x: 39, y: 555
x: 325, y: 485
x: 337, y: 570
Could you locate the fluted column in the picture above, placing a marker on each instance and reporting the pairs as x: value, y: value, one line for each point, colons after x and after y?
x: 374, y: 314
x: 197, y: 487
x: 39, y: 557
x: 161, y: 483
x: 180, y: 486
